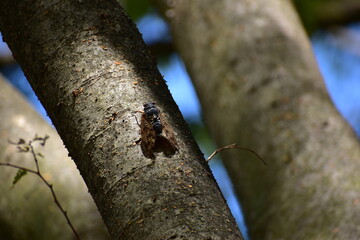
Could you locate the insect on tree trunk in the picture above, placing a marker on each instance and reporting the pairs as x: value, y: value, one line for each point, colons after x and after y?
x: 156, y: 135
x: 90, y: 68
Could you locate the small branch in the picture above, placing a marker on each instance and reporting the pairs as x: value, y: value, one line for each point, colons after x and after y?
x: 59, y: 205
x: 35, y: 158
x: 18, y: 167
x: 27, y: 147
x: 231, y: 146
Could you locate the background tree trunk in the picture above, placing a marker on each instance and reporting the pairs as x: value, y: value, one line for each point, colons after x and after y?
x: 88, y: 65
x: 259, y: 86
x: 28, y: 211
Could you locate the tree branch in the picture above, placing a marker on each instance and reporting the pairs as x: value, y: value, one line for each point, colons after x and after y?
x: 65, y: 46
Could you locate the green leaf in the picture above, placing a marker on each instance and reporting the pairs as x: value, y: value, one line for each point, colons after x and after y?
x: 20, y: 173
x: 136, y: 8
x: 24, y: 148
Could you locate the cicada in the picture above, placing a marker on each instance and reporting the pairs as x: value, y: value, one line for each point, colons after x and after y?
x: 156, y: 135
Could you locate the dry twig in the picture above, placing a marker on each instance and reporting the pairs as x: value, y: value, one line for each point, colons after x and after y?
x: 231, y: 146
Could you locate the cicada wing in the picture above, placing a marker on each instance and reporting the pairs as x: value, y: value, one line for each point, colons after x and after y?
x: 148, y: 137
x: 166, y: 142
x: 168, y: 133
x: 163, y: 144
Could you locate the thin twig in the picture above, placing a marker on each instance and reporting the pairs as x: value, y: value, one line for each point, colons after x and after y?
x: 35, y: 158
x: 38, y: 173
x: 18, y: 167
x: 231, y: 146
x: 59, y: 205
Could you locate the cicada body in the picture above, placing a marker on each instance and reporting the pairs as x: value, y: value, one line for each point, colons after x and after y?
x: 156, y: 135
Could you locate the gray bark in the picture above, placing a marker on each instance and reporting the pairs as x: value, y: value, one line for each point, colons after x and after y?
x: 89, y: 67
x: 27, y: 210
x: 259, y: 86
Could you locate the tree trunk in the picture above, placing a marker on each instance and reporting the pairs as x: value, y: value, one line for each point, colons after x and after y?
x: 24, y: 209
x: 89, y: 67
x: 259, y: 86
